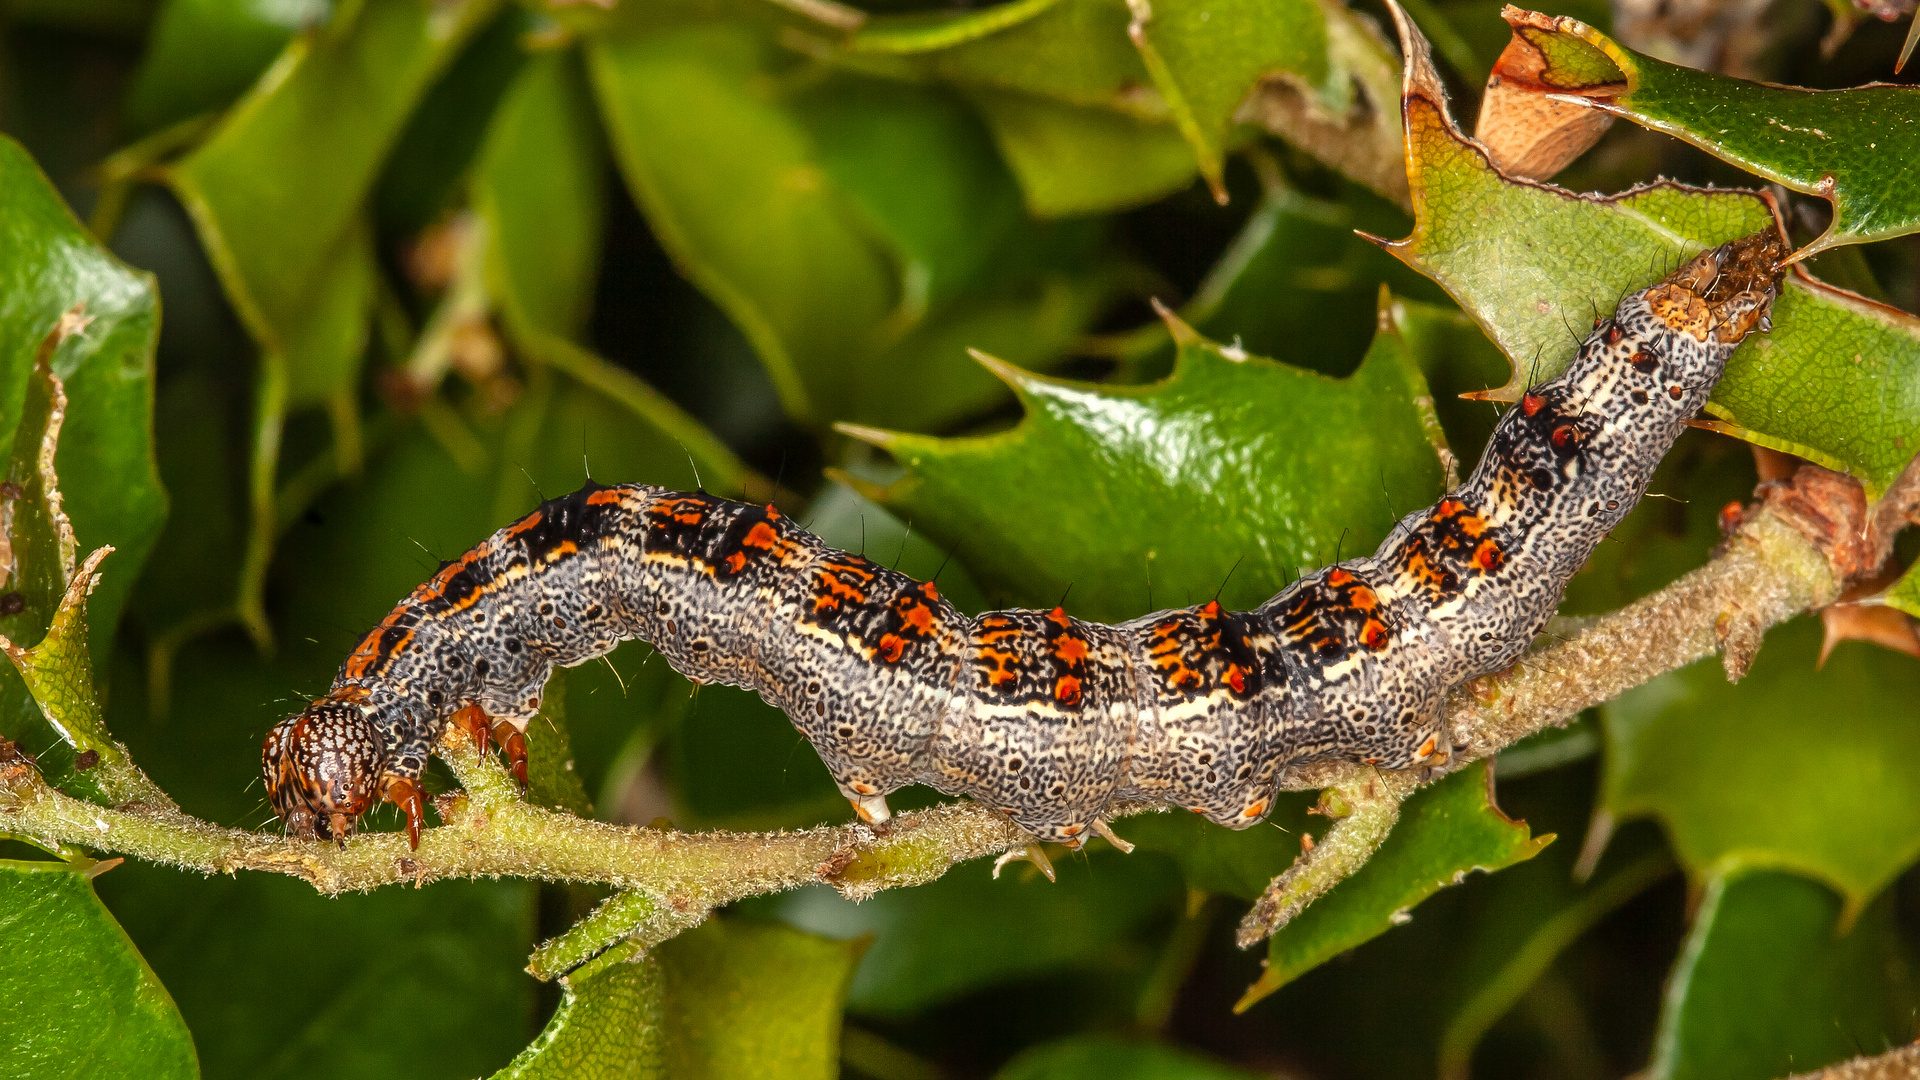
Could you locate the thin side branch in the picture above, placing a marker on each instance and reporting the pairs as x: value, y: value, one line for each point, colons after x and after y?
x: 1766, y: 573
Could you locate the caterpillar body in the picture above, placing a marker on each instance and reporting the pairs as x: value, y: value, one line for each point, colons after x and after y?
x: 1036, y: 714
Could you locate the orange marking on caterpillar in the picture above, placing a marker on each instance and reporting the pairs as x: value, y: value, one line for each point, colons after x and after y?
x: 1058, y: 616
x: 1489, y: 556
x: 1339, y: 577
x: 1067, y: 690
x: 1531, y: 404
x: 1070, y: 648
x: 892, y: 647
x: 1374, y: 635
x: 1236, y: 678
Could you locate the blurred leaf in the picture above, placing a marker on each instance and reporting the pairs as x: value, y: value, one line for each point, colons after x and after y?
x: 855, y: 231
x: 748, y: 1000
x: 920, y: 171
x: 1076, y: 159
x: 278, y: 194
x: 609, y: 1026
x: 1703, y: 756
x: 1534, y: 264
x: 76, y: 999
x: 1226, y: 478
x: 1851, y: 147
x: 1084, y: 1056
x: 1297, y: 272
x: 203, y: 54
x: 1535, y: 917
x: 1446, y: 831
x: 539, y: 185
x: 402, y: 983
x: 1233, y: 862
x: 423, y: 172
x: 1773, y: 980
x: 736, y: 193
x: 1073, y: 51
x: 1206, y: 55
x: 967, y: 931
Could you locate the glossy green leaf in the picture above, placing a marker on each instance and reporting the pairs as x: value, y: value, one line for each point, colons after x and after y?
x: 1446, y: 831
x: 1077, y: 159
x: 1225, y: 479
x: 1838, y: 379
x: 278, y: 193
x: 610, y: 1025
x: 203, y: 54
x: 105, y: 460
x: 1704, y: 757
x: 1771, y: 981
x: 1080, y: 1057
x: 79, y: 315
x: 746, y: 1000
x: 76, y: 999
x: 968, y: 931
x: 1854, y: 147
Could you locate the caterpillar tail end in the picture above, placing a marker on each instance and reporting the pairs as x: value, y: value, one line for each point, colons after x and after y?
x: 872, y: 810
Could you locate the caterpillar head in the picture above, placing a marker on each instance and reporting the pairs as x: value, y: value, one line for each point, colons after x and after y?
x: 1724, y: 293
x: 323, y: 767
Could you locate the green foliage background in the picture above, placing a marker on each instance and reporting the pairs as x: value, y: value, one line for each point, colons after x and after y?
x: 422, y: 262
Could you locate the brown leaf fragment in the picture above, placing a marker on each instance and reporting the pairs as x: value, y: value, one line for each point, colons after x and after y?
x: 1527, y: 131
x: 1875, y: 623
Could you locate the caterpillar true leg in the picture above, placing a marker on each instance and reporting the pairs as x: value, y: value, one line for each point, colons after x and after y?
x: 1041, y: 716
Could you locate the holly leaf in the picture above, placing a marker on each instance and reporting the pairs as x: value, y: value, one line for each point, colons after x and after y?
x: 77, y: 997
x: 1702, y: 756
x: 1776, y: 978
x: 1224, y: 479
x: 1852, y: 147
x: 745, y: 1000
x: 1534, y: 264
x: 610, y: 1025
x: 1446, y: 831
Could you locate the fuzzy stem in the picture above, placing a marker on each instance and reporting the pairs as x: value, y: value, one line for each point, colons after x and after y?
x: 1766, y: 573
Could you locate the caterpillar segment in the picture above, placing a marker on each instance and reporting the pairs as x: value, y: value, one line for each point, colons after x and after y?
x: 1043, y: 717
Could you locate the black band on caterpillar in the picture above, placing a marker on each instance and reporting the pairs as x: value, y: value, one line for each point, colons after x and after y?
x: 1036, y: 714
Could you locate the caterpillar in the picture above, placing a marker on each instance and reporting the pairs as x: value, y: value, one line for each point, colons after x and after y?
x: 1036, y: 714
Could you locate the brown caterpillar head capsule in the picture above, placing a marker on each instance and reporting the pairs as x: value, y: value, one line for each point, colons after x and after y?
x: 1724, y: 293
x: 323, y: 766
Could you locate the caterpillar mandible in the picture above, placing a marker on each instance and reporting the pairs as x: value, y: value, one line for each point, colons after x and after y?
x: 1036, y: 714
